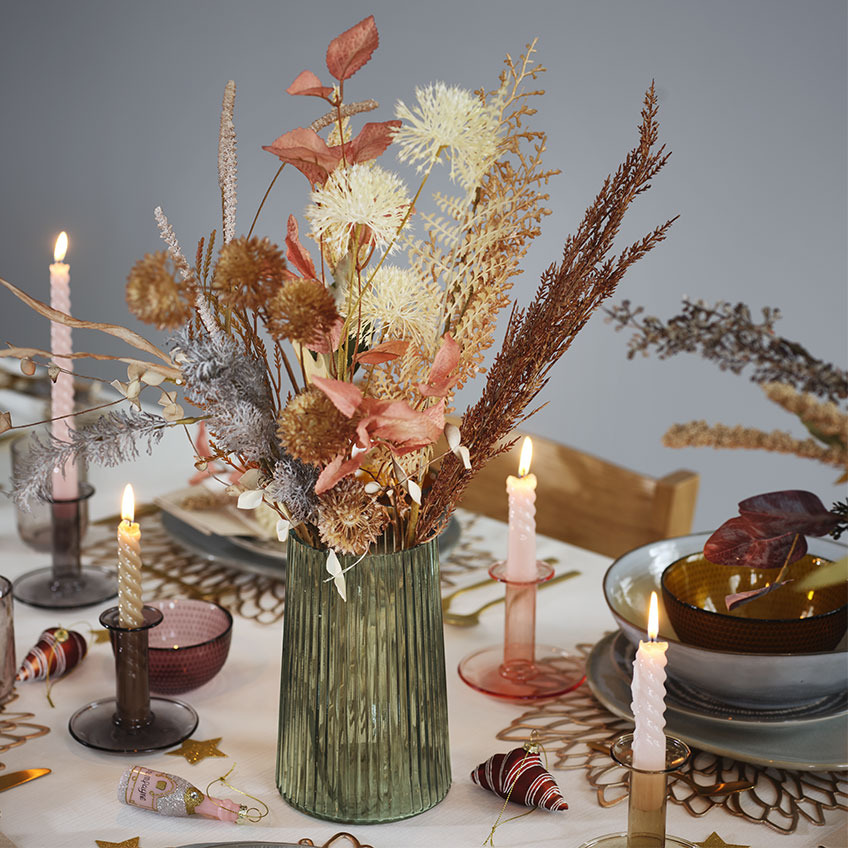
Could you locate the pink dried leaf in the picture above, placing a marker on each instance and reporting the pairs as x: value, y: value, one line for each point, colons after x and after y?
x: 308, y: 84
x: 307, y: 151
x: 384, y: 352
x: 346, y: 397
x: 442, y: 375
x: 296, y: 253
x: 396, y: 422
x: 336, y: 469
x: 371, y: 141
x: 347, y: 53
x: 328, y: 343
x: 741, y: 598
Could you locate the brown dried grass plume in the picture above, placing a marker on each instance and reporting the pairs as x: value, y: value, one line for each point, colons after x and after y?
x: 154, y: 295
x: 303, y: 311
x: 349, y: 519
x: 249, y: 272
x: 311, y: 429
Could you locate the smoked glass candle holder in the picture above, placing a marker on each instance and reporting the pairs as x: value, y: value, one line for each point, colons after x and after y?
x: 646, y: 806
x: 132, y: 721
x: 67, y: 583
x: 520, y: 669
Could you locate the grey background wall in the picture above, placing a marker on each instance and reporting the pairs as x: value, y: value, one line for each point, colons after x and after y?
x: 110, y: 109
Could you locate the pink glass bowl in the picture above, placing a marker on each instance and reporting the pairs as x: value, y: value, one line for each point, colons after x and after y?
x: 190, y: 646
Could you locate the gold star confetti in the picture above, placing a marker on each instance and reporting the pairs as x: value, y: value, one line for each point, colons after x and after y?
x: 194, y: 750
x: 715, y: 841
x: 127, y: 843
x: 98, y: 637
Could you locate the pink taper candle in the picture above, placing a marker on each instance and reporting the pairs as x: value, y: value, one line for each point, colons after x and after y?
x: 521, y: 554
x: 65, y: 485
x: 130, y: 612
x: 649, y: 697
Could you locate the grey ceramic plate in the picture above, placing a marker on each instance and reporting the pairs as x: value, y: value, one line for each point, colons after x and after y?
x: 256, y: 556
x: 745, y: 679
x: 820, y: 745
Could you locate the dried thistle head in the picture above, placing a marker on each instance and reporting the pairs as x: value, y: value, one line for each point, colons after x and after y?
x: 248, y: 272
x: 302, y: 310
x: 154, y: 295
x: 349, y: 519
x: 311, y: 429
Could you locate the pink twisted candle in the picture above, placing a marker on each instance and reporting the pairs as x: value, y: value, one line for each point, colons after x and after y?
x: 521, y: 554
x: 649, y: 698
x: 65, y: 485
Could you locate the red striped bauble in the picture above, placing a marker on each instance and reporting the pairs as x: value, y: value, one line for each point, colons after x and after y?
x: 522, y: 772
x: 57, y: 651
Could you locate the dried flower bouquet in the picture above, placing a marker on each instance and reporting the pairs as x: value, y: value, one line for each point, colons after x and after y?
x: 323, y: 376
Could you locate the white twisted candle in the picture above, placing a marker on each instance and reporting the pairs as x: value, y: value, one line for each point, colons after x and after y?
x: 65, y: 486
x: 130, y: 612
x: 649, y: 698
x: 521, y: 554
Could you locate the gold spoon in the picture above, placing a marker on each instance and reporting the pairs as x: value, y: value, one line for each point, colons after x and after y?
x: 468, y: 619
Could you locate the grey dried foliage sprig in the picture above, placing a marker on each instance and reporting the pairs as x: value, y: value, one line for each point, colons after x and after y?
x: 228, y: 163
x: 229, y: 384
x: 537, y: 336
x: 293, y: 484
x: 111, y: 440
x: 730, y: 336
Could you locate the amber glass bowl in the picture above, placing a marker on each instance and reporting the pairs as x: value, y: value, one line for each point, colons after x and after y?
x: 783, y: 622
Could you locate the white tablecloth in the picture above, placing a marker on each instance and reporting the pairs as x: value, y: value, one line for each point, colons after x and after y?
x: 76, y: 805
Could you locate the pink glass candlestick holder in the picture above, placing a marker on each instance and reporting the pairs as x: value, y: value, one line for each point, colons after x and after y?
x: 646, y: 807
x: 521, y: 669
x: 132, y: 721
x: 68, y: 583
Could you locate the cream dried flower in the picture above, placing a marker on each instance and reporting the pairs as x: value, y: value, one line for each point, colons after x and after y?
x: 401, y: 306
x: 356, y: 198
x: 449, y: 118
x: 349, y: 519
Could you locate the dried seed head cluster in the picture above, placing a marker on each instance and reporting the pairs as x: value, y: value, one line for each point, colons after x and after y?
x: 302, y: 310
x: 154, y: 295
x: 312, y: 430
x: 248, y: 273
x: 349, y: 519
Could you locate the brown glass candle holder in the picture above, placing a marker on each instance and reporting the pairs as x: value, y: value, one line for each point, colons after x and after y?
x: 67, y: 583
x: 646, y: 806
x: 520, y: 669
x: 132, y: 721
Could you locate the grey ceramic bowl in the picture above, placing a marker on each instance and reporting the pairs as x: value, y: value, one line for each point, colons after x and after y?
x: 739, y: 679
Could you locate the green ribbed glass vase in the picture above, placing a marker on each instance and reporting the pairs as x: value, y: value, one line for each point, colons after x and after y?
x: 363, y: 700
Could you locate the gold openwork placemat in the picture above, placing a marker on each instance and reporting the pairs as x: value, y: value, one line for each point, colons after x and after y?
x: 170, y: 571
x: 16, y: 728
x: 574, y: 727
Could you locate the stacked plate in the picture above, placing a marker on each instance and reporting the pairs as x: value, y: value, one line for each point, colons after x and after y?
x: 787, y: 710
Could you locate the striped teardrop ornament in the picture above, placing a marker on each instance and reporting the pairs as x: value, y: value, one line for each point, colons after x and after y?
x: 520, y: 776
x: 57, y: 651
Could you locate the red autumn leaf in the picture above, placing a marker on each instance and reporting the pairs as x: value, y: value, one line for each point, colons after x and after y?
x: 296, y: 253
x: 737, y: 542
x: 330, y: 342
x: 307, y: 83
x: 371, y: 141
x: 308, y: 152
x: 441, y: 377
x: 384, y: 352
x: 336, y: 469
x: 790, y: 511
x: 352, y: 49
x: 346, y: 397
